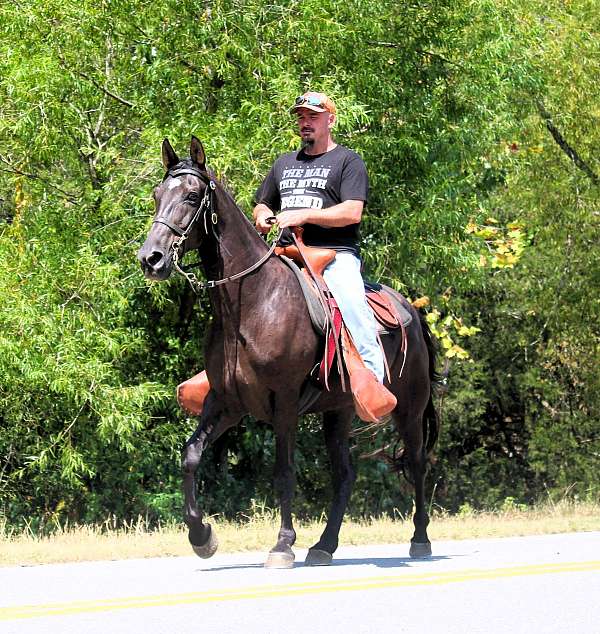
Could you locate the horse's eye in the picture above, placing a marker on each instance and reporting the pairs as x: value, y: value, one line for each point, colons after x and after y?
x: 193, y: 197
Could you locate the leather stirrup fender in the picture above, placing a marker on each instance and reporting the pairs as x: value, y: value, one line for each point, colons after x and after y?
x: 322, y: 291
x: 192, y: 393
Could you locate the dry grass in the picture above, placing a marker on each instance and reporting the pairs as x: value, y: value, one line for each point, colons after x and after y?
x: 101, y: 542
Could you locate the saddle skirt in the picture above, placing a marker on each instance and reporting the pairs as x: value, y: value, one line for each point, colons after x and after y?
x: 371, y: 399
x: 387, y: 304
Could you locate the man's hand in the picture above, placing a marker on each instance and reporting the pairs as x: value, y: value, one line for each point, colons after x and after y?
x: 261, y: 215
x: 292, y: 218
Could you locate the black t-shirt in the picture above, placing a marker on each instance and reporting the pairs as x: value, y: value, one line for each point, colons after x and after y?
x: 302, y: 181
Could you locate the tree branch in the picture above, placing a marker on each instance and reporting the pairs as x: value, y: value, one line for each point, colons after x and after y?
x: 189, y: 65
x: 14, y: 170
x: 564, y: 146
x: 150, y: 41
x: 418, y: 50
x: 106, y: 91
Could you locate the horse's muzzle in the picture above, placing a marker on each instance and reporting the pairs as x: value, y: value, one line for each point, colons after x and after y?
x: 155, y: 263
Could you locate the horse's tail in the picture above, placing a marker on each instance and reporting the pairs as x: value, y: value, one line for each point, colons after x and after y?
x: 431, y: 421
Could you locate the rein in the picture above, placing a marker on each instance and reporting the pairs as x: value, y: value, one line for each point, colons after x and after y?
x: 205, y: 206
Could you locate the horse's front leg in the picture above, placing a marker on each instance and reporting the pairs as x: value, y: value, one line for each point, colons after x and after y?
x: 284, y: 424
x: 212, y: 425
x: 337, y: 426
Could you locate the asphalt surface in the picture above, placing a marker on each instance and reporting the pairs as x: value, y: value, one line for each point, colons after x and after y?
x: 545, y: 584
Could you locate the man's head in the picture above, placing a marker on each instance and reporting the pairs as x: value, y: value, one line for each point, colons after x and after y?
x: 315, y: 113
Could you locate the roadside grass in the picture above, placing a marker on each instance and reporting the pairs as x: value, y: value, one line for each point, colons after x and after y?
x: 258, y: 532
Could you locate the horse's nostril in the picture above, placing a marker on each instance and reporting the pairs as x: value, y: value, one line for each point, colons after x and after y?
x: 154, y: 258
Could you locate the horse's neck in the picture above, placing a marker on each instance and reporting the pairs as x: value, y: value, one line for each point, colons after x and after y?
x: 235, y: 244
x: 239, y: 243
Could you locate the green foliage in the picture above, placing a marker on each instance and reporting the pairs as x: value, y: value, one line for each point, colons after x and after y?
x: 455, y: 107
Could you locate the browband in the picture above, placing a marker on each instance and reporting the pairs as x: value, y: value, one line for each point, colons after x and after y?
x: 185, y: 170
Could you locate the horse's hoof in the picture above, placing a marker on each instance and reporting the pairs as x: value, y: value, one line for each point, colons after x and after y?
x: 280, y: 559
x: 317, y: 557
x: 419, y: 550
x: 209, y: 548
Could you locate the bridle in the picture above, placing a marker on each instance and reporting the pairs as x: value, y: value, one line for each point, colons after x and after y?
x: 205, y: 208
x: 205, y: 203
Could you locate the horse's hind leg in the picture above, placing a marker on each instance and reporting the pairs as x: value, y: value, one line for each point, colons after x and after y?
x: 212, y: 425
x: 416, y: 457
x: 337, y: 430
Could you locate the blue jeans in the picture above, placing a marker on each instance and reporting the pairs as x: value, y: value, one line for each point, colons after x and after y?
x: 345, y: 282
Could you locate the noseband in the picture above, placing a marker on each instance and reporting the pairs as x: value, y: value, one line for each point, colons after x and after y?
x: 205, y: 206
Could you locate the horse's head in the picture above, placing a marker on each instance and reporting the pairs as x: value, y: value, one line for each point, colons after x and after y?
x: 182, y: 201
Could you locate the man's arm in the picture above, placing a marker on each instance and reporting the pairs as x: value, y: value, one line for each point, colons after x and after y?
x: 346, y: 213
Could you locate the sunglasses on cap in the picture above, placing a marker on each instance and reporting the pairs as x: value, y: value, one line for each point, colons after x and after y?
x: 310, y: 100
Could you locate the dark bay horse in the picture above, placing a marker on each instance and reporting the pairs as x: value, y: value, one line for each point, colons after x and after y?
x: 260, y: 348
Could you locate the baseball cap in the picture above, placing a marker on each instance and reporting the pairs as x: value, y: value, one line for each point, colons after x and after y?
x: 316, y: 101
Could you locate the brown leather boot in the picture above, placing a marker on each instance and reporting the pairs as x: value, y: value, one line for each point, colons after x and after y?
x: 191, y: 393
x: 372, y: 400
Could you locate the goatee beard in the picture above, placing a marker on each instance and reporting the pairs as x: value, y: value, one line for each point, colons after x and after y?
x: 307, y: 143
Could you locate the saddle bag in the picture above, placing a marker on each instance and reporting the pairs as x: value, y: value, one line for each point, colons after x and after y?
x: 385, y: 311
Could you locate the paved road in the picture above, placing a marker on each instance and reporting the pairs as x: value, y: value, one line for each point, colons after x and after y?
x: 537, y: 584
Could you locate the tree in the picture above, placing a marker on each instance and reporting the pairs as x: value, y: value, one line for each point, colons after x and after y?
x: 452, y: 106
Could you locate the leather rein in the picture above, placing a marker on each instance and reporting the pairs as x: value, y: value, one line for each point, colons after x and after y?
x: 205, y: 208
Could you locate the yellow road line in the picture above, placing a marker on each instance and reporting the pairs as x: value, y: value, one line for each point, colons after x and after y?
x: 272, y: 591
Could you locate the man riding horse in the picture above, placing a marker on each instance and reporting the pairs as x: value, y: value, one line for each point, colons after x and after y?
x: 323, y: 188
x: 262, y: 343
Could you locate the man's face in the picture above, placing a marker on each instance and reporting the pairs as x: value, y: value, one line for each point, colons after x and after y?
x: 313, y: 126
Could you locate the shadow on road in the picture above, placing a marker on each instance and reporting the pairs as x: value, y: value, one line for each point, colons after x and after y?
x: 384, y: 562
x: 379, y: 562
x: 231, y: 567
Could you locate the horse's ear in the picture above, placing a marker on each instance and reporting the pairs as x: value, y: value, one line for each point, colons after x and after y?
x: 197, y: 153
x: 169, y: 158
